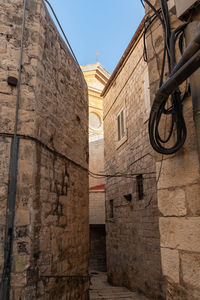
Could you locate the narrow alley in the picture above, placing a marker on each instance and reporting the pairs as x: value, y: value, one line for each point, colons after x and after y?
x: 100, y: 154
x: 100, y: 289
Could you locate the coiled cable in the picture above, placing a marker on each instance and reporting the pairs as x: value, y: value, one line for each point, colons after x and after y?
x: 171, y: 140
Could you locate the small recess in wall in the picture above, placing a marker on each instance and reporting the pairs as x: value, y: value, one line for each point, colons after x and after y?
x: 128, y: 197
x: 12, y: 81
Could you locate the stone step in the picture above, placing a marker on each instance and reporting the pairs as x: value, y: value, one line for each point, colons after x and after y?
x: 100, y: 289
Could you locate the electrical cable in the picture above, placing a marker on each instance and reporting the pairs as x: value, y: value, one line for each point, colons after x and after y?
x: 167, y: 31
x: 155, y: 11
x: 175, y: 111
x: 149, y: 21
x: 62, y: 156
x: 157, y: 14
x: 142, y: 3
x: 66, y: 39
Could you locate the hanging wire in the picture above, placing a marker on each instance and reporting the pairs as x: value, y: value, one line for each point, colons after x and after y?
x: 66, y: 39
x: 175, y: 111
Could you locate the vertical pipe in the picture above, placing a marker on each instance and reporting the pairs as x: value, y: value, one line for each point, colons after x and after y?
x: 12, y: 187
x: 190, y: 33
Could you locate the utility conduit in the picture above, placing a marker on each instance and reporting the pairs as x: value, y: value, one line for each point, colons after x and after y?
x: 186, y: 66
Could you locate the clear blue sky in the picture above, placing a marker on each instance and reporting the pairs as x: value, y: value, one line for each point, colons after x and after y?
x: 106, y: 26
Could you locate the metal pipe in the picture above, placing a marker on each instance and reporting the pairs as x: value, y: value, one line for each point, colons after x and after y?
x: 12, y: 186
x: 168, y: 88
x: 185, y: 64
x: 178, y: 78
x: 192, y: 48
x: 190, y: 31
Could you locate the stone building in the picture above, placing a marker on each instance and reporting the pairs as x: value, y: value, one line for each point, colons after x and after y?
x: 96, y: 77
x: 132, y: 215
x: 153, y: 220
x: 44, y: 254
x: 179, y: 181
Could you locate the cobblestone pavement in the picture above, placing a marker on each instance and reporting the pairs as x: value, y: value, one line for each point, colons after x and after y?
x: 100, y: 289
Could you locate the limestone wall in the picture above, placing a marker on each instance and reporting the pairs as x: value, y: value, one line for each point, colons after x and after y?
x: 97, y: 207
x: 132, y: 228
x: 178, y: 194
x: 96, y: 161
x: 51, y: 234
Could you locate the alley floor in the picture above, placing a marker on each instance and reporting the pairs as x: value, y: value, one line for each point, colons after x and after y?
x: 100, y: 289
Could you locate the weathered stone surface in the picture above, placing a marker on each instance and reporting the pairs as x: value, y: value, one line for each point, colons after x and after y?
x: 100, y: 289
x: 193, y: 199
x: 180, y: 233
x: 96, y: 77
x: 190, y: 266
x: 178, y: 182
x: 170, y: 264
x: 132, y: 227
x: 174, y: 171
x: 97, y: 208
x: 51, y: 233
x: 172, y: 202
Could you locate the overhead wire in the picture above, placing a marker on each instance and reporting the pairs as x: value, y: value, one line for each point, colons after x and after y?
x: 142, y: 3
x: 60, y: 26
x: 65, y: 157
x: 147, y: 26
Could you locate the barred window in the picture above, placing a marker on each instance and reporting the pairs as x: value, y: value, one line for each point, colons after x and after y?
x: 111, y: 209
x: 140, y: 187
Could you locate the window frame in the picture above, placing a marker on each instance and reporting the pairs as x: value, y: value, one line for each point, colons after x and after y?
x: 121, y: 124
x: 121, y: 129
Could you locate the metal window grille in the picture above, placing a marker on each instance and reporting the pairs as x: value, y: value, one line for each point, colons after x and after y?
x: 111, y: 209
x: 140, y: 187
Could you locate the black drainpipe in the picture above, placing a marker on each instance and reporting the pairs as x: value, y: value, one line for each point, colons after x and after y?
x: 12, y: 187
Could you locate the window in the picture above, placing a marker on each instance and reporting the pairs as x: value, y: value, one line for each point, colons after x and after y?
x: 140, y: 189
x: 94, y: 121
x: 121, y: 124
x: 111, y: 215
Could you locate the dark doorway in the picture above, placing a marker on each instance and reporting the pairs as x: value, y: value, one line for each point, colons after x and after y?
x: 98, y: 248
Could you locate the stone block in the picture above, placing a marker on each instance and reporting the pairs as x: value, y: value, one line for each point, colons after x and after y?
x: 7, y: 100
x: 50, y: 80
x: 5, y: 29
x: 179, y: 170
x: 3, y: 47
x: 18, y: 280
x: 63, y: 221
x: 180, y: 233
x: 170, y: 264
x: 190, y: 269
x: 63, y: 200
x: 193, y: 199
x: 21, y: 263
x: 22, y: 217
x: 172, y: 202
x: 25, y: 165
